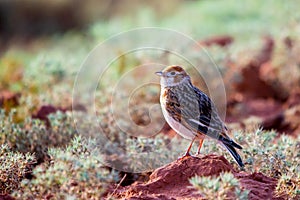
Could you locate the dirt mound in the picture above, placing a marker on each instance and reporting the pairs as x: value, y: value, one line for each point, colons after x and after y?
x: 172, y: 181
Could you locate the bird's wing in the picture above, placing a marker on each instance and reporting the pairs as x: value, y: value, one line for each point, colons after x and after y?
x: 195, y: 111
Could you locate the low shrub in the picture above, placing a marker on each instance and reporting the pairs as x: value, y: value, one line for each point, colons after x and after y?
x: 14, y: 166
x: 77, y: 171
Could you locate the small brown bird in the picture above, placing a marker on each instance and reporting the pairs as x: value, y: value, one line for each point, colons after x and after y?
x: 191, y: 113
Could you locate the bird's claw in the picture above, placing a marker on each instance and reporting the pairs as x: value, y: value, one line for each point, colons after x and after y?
x: 186, y: 155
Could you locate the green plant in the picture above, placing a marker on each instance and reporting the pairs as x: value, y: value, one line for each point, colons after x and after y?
x: 263, y: 151
x: 270, y: 155
x: 74, y: 172
x: 33, y: 136
x: 222, y: 187
x: 14, y: 166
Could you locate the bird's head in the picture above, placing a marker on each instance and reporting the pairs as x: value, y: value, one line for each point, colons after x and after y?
x: 172, y: 76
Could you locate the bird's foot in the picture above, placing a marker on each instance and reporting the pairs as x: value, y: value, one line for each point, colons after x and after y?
x: 186, y: 155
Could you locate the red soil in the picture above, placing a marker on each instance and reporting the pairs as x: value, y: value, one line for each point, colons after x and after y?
x: 45, y: 110
x: 172, y: 181
x: 222, y: 40
x: 259, y: 93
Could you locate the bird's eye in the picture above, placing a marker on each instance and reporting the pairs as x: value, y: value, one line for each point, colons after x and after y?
x: 173, y: 73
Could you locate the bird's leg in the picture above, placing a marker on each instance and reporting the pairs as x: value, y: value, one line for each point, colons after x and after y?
x: 200, y: 145
x: 187, y: 153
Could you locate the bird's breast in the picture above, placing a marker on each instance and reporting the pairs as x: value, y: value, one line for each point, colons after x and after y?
x: 173, y: 121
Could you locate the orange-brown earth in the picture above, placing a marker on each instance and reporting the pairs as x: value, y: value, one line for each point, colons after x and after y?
x: 172, y: 180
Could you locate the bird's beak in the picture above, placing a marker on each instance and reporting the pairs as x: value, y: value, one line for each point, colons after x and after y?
x: 159, y: 73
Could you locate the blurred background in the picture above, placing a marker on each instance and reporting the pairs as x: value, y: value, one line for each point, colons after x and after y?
x: 30, y: 18
x: 254, y: 44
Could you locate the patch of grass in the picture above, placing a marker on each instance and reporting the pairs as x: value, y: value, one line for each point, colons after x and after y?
x: 33, y: 136
x: 225, y: 186
x: 76, y: 171
x: 263, y: 151
x: 14, y: 166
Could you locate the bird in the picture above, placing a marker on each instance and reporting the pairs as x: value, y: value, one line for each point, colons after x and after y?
x: 191, y: 113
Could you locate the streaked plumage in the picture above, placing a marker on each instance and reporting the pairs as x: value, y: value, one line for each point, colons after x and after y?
x: 190, y: 112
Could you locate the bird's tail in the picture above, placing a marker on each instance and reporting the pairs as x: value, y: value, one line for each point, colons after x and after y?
x: 234, y: 154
